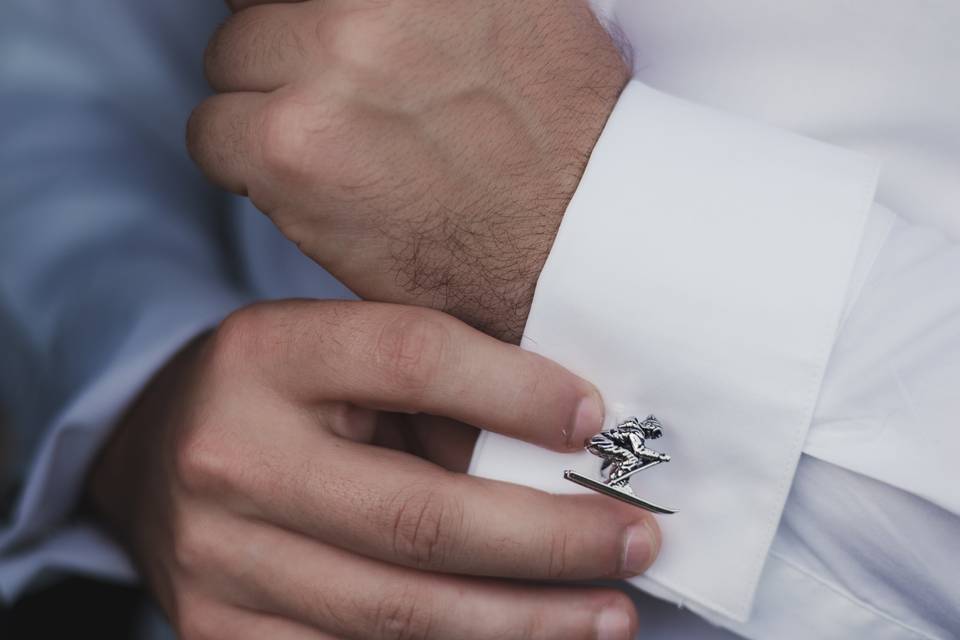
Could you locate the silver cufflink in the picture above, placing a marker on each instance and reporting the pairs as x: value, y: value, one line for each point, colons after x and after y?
x: 624, y: 452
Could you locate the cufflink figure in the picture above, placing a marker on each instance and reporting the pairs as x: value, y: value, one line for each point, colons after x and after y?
x: 624, y: 452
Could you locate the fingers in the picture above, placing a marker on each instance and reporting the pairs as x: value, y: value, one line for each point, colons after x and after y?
x: 261, y: 48
x: 404, y: 510
x: 348, y: 595
x: 417, y: 360
x: 222, y: 138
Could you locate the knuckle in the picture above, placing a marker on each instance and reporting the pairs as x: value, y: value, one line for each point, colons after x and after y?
x: 260, y: 332
x: 238, y: 328
x: 244, y: 40
x: 201, y: 546
x: 536, y: 380
x: 406, y: 615
x: 207, y: 458
x: 411, y: 349
x: 215, y: 53
x: 356, y: 39
x: 557, y: 557
x: 196, y: 622
x: 189, y: 547
x: 197, y: 125
x: 203, y: 462
x: 205, y: 452
x: 534, y: 626
x: 240, y: 334
x: 287, y: 138
x: 426, y: 524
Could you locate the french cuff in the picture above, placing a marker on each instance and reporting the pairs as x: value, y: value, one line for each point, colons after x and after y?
x: 700, y: 274
x: 41, y: 538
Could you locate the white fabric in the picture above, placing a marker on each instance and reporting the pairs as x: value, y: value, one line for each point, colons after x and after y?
x: 649, y: 292
x: 707, y: 306
x: 94, y: 97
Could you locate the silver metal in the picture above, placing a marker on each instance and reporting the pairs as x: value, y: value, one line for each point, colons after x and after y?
x: 624, y: 452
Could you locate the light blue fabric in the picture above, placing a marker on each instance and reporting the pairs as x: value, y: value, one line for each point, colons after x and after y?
x: 112, y: 250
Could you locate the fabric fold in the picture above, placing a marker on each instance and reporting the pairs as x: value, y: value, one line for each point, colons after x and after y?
x: 700, y: 274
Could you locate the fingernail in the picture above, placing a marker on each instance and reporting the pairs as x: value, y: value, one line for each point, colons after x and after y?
x: 640, y: 543
x: 587, y: 421
x: 613, y: 624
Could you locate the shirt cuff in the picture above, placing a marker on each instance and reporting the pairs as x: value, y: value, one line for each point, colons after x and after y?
x: 40, y: 538
x: 700, y: 274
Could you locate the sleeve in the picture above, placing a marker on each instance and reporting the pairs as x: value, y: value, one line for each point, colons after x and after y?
x: 866, y: 546
x: 111, y: 249
x: 702, y: 273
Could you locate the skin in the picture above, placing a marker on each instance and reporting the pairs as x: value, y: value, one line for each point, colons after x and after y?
x: 298, y: 474
x: 422, y: 151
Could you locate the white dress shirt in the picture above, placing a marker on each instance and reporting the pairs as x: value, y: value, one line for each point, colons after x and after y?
x: 762, y: 251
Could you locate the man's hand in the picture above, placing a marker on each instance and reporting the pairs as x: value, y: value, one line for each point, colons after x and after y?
x: 266, y: 484
x: 423, y: 151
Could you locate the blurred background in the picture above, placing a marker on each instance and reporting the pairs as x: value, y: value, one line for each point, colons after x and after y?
x: 94, y: 97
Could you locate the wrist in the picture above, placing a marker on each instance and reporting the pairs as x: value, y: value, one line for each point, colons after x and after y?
x: 499, y: 264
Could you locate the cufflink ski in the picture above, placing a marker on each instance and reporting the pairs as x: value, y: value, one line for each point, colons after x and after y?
x: 624, y: 452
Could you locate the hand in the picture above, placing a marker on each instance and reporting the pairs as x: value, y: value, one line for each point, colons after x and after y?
x: 266, y: 485
x: 423, y: 151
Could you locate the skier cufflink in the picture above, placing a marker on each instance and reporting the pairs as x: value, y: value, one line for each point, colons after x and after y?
x: 624, y: 453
